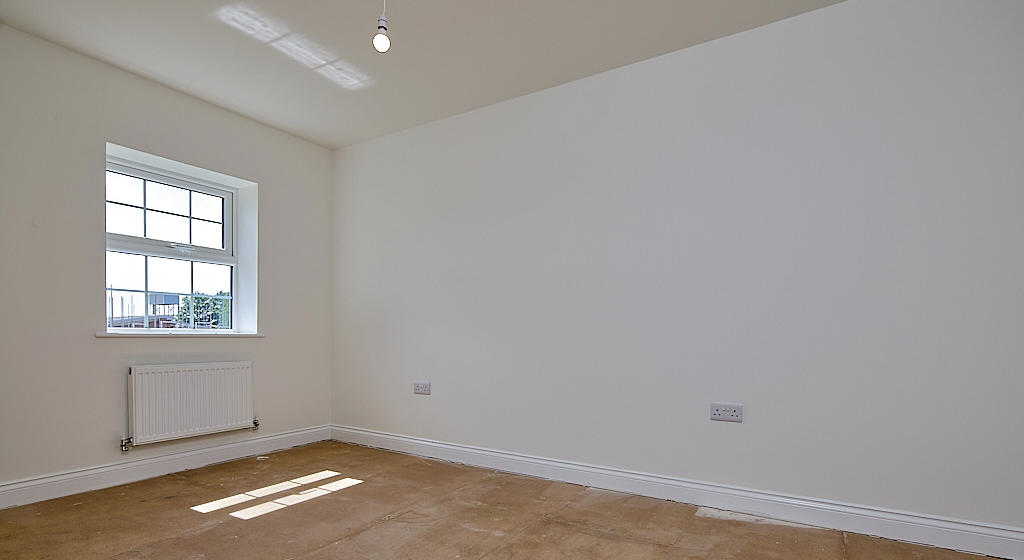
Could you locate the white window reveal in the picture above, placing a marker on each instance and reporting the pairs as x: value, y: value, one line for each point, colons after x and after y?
x: 171, y: 261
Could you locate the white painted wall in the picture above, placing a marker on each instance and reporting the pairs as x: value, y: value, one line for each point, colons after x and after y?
x: 820, y: 219
x: 62, y: 391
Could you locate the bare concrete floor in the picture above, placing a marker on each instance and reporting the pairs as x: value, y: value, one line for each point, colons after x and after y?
x: 406, y: 507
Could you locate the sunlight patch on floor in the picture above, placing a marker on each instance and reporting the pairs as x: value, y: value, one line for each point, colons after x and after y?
x: 273, y: 489
x: 257, y: 510
x: 279, y: 503
x: 314, y: 477
x: 266, y: 491
x: 341, y: 484
x: 223, y: 503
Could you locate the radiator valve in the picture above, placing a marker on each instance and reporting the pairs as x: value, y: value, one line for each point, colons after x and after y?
x: 126, y: 445
x: 255, y: 423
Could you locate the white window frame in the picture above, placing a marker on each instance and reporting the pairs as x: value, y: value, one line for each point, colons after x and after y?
x: 175, y: 250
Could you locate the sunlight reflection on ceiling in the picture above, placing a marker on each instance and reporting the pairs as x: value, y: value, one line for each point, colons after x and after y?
x: 296, y: 46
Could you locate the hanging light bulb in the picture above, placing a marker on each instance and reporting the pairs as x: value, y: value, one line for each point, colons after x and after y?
x: 381, y: 41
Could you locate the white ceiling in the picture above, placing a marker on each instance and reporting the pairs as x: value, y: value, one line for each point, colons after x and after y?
x: 448, y: 56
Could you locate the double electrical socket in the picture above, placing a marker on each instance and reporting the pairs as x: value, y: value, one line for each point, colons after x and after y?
x: 421, y: 388
x: 725, y: 412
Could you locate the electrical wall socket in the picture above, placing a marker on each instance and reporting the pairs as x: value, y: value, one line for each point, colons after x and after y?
x: 725, y: 412
x: 421, y: 388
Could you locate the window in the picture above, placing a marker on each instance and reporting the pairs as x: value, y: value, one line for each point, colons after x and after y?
x: 171, y: 261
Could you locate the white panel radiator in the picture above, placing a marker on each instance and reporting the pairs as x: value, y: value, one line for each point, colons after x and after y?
x: 181, y: 400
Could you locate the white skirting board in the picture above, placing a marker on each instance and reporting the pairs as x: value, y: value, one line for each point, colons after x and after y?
x: 35, y: 489
x: 982, y: 538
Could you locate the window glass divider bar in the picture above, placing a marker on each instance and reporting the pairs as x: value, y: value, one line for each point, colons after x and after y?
x: 125, y: 204
x: 145, y: 298
x: 145, y: 225
x: 190, y: 218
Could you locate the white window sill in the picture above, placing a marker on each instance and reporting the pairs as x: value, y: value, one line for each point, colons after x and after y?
x: 165, y: 334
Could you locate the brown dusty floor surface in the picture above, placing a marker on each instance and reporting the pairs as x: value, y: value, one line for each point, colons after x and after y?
x: 406, y: 507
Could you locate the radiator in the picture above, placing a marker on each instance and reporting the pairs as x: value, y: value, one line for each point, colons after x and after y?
x: 182, y: 400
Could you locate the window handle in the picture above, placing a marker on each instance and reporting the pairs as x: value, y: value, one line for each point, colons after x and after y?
x: 181, y: 247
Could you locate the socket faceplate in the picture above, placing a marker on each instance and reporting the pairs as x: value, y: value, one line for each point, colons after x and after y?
x: 726, y: 412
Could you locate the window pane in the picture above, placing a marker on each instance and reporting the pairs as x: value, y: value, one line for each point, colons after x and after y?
x: 221, y: 314
x: 125, y: 309
x: 211, y: 279
x: 126, y: 272
x: 209, y: 312
x: 166, y: 227
x: 207, y: 234
x: 124, y: 219
x: 167, y: 198
x: 207, y: 207
x: 167, y: 312
x: 170, y: 275
x: 122, y: 188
